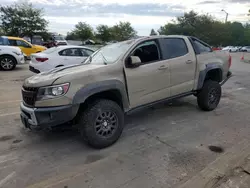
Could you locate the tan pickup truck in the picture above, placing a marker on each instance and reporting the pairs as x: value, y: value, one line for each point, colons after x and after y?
x: 120, y: 78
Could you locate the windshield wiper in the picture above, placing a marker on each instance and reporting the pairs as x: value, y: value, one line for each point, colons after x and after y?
x: 105, y: 60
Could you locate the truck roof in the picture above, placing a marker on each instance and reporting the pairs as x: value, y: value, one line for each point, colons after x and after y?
x: 158, y: 36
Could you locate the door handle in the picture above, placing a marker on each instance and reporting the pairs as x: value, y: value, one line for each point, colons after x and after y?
x: 189, y: 61
x: 163, y: 67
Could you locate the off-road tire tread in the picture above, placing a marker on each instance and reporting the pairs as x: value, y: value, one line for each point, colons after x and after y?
x: 202, y: 96
x: 87, y: 116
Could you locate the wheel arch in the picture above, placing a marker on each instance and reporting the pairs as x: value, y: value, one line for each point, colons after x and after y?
x: 109, y: 89
x: 9, y: 55
x: 212, y: 72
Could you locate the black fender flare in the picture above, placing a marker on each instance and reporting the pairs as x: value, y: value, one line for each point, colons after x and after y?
x: 101, y: 86
x: 203, y: 73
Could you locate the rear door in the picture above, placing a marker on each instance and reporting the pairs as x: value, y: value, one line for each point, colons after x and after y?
x: 151, y: 80
x: 204, y: 56
x: 180, y: 55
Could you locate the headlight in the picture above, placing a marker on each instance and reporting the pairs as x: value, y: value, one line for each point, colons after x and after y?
x: 18, y: 53
x: 51, y: 92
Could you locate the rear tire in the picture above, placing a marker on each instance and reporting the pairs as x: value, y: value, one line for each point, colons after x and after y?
x: 7, y: 63
x: 209, y: 96
x: 101, y: 124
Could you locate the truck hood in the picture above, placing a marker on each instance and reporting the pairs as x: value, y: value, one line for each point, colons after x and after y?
x: 49, y: 77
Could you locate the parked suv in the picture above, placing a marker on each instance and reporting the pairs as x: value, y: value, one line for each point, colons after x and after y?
x: 120, y: 78
x: 10, y: 57
x: 26, y: 47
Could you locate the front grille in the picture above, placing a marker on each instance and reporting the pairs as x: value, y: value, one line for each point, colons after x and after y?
x: 29, y: 95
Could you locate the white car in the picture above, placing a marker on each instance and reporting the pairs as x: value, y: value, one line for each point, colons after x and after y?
x: 59, y: 40
x: 245, y: 49
x: 58, y: 56
x: 231, y: 48
x: 10, y: 56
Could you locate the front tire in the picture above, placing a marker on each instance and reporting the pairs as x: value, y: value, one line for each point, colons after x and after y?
x: 101, y: 124
x: 209, y: 96
x: 7, y: 63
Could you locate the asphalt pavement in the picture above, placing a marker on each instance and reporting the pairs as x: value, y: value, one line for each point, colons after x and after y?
x: 163, y: 146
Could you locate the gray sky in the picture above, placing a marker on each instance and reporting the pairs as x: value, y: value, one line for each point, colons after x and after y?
x: 64, y: 14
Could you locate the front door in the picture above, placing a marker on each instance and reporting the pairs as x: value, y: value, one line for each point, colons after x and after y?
x: 25, y: 47
x: 151, y: 80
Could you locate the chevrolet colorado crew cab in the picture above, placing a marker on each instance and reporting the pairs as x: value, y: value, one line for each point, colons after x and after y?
x: 120, y: 78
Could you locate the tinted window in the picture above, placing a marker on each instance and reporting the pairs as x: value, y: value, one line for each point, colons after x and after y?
x: 86, y: 52
x: 22, y: 44
x: 58, y: 38
x: 147, y: 51
x: 1, y: 41
x: 70, y: 52
x: 201, y: 47
x: 12, y: 42
x: 174, y: 47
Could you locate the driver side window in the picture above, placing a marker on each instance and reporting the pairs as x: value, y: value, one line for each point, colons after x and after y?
x: 147, y: 51
x: 23, y: 44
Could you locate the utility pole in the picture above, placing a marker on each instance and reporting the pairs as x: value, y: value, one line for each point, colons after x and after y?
x: 226, y: 15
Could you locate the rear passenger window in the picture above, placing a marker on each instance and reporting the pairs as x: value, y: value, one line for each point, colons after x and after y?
x: 174, y: 47
x: 201, y: 47
x: 70, y: 52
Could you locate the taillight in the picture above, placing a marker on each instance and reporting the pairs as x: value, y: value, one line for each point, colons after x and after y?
x: 230, y: 61
x: 42, y: 59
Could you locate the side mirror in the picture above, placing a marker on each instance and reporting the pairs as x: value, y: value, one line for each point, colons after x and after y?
x: 134, y: 61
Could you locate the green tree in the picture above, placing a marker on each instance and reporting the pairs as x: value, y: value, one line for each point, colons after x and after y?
x: 71, y: 36
x: 207, y: 29
x: 22, y: 20
x: 104, y: 33
x: 152, y: 32
x: 83, y: 31
x: 123, y: 31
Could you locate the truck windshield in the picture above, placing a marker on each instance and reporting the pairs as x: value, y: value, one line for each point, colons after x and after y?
x: 110, y: 53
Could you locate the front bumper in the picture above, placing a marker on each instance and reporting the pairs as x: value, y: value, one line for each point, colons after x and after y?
x: 44, y: 118
x: 21, y: 59
x: 229, y: 75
